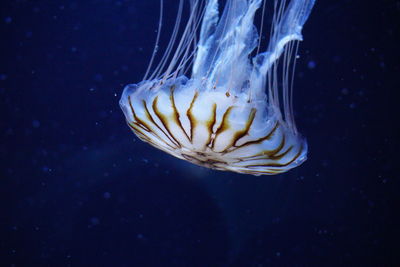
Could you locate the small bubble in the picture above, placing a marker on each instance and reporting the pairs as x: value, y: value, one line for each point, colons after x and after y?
x: 73, y: 49
x: 345, y: 91
x: 3, y: 77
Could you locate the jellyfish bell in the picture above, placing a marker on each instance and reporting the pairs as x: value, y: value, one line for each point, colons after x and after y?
x: 232, y: 111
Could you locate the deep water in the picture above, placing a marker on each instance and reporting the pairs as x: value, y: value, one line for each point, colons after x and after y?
x: 77, y: 188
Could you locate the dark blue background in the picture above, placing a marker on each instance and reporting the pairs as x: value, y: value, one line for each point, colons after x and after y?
x: 79, y: 189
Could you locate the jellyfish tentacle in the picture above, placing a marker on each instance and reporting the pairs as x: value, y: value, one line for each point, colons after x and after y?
x: 234, y: 111
x: 206, y: 39
x: 170, y: 45
x: 160, y: 20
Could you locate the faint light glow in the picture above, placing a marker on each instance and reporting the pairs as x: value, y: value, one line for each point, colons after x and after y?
x: 311, y: 64
x: 345, y: 91
x: 94, y: 221
x: 35, y: 124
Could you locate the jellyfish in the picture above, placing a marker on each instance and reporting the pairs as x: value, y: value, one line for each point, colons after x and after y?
x: 220, y: 98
